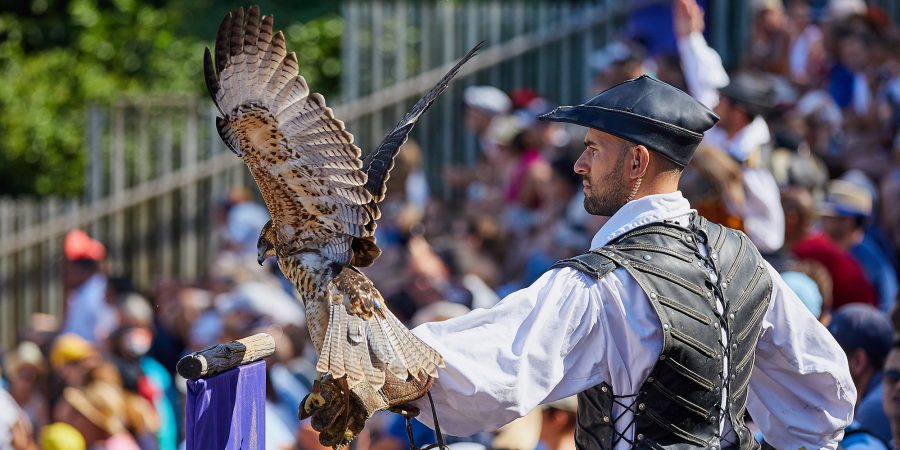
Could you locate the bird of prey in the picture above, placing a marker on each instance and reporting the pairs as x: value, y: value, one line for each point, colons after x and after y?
x: 323, y: 199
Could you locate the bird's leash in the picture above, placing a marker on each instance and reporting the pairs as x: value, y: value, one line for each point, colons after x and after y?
x: 437, y: 430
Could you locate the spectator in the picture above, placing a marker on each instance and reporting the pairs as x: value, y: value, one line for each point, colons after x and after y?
x: 807, y: 291
x: 714, y: 185
x: 87, y: 313
x: 704, y: 74
x: 741, y: 131
x: 845, y: 214
x: 891, y: 392
x: 744, y: 135
x: 483, y: 105
x: 769, y: 38
x: 865, y: 334
x: 27, y: 369
x: 15, y: 429
x: 806, y: 57
x: 98, y: 410
x: 819, y: 275
x: 72, y: 358
x: 244, y: 220
x: 889, y: 214
x: 619, y: 61
x: 558, y: 424
x: 849, y: 283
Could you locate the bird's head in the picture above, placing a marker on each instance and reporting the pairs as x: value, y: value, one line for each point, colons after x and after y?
x: 264, y: 249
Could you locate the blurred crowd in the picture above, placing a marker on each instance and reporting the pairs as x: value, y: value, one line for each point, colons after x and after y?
x: 805, y: 159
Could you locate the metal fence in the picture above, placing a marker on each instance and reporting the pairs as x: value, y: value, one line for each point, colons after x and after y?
x: 157, y: 169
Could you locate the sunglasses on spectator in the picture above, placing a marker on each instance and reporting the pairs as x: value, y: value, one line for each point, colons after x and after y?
x: 891, y: 376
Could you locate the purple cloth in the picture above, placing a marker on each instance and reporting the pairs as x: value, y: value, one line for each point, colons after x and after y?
x: 227, y: 411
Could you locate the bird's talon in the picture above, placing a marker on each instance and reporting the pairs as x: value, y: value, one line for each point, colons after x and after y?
x: 314, y: 401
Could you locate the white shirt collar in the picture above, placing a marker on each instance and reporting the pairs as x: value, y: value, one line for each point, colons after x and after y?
x: 648, y: 209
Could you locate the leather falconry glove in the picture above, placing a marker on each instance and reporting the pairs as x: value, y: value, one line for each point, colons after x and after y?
x: 344, y: 413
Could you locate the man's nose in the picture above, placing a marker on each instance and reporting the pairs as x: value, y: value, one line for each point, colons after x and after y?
x: 581, y: 166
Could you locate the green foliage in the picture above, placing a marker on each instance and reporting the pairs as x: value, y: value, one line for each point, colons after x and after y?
x: 58, y: 57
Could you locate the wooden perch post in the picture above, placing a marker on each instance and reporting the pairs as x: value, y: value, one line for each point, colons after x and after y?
x: 222, y: 357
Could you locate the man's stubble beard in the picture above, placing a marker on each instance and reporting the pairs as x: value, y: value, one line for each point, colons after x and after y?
x: 614, y: 198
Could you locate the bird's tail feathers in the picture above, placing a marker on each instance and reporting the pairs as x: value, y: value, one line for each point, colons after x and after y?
x: 363, y: 350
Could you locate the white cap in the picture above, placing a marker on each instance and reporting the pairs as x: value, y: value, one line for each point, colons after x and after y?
x: 841, y: 9
x: 775, y: 5
x: 487, y: 98
x: 437, y: 312
x: 820, y: 104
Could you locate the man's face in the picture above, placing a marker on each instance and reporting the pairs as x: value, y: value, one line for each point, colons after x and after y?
x: 838, y: 228
x: 723, y: 109
x: 891, y: 381
x: 477, y: 120
x: 601, y: 167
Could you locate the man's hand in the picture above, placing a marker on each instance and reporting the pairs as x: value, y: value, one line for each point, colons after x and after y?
x: 687, y: 17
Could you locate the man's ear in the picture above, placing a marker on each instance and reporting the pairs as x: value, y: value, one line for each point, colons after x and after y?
x: 858, y: 361
x: 640, y: 160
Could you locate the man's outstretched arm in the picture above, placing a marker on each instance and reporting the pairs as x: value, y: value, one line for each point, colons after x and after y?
x: 801, y: 393
x: 504, y: 361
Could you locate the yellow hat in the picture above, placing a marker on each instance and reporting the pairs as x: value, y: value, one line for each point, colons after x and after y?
x: 61, y: 436
x: 68, y: 348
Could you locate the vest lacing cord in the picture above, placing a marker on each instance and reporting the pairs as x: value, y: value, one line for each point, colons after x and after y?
x: 617, y: 436
x: 725, y: 441
x: 437, y: 430
x: 700, y: 238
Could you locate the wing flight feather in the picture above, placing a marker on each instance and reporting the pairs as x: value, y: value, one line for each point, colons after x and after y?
x: 303, y: 160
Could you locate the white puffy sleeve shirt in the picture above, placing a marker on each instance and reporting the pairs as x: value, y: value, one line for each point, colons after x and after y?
x: 568, y: 332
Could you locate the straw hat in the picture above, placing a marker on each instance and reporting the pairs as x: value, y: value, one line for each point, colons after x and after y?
x: 101, y: 403
x: 846, y: 199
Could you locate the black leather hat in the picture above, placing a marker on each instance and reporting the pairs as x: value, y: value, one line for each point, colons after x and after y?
x: 646, y: 111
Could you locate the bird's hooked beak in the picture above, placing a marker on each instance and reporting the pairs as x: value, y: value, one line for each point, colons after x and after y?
x: 261, y: 256
x: 264, y: 249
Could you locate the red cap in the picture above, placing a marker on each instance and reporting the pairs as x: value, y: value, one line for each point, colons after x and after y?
x: 78, y: 245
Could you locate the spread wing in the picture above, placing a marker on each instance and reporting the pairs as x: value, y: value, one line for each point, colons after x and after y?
x: 303, y: 160
x: 378, y: 163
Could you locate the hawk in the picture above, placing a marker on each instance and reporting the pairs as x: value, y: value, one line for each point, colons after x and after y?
x: 323, y: 199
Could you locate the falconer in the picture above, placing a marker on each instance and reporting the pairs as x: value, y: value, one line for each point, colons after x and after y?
x: 669, y: 329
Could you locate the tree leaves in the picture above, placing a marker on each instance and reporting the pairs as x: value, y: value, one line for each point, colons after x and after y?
x: 59, y: 57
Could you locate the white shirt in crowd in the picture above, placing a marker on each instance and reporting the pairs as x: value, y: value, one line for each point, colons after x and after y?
x: 703, y: 71
x: 762, y: 213
x: 568, y: 332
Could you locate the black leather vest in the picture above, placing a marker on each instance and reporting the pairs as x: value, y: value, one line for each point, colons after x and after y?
x: 678, y: 405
